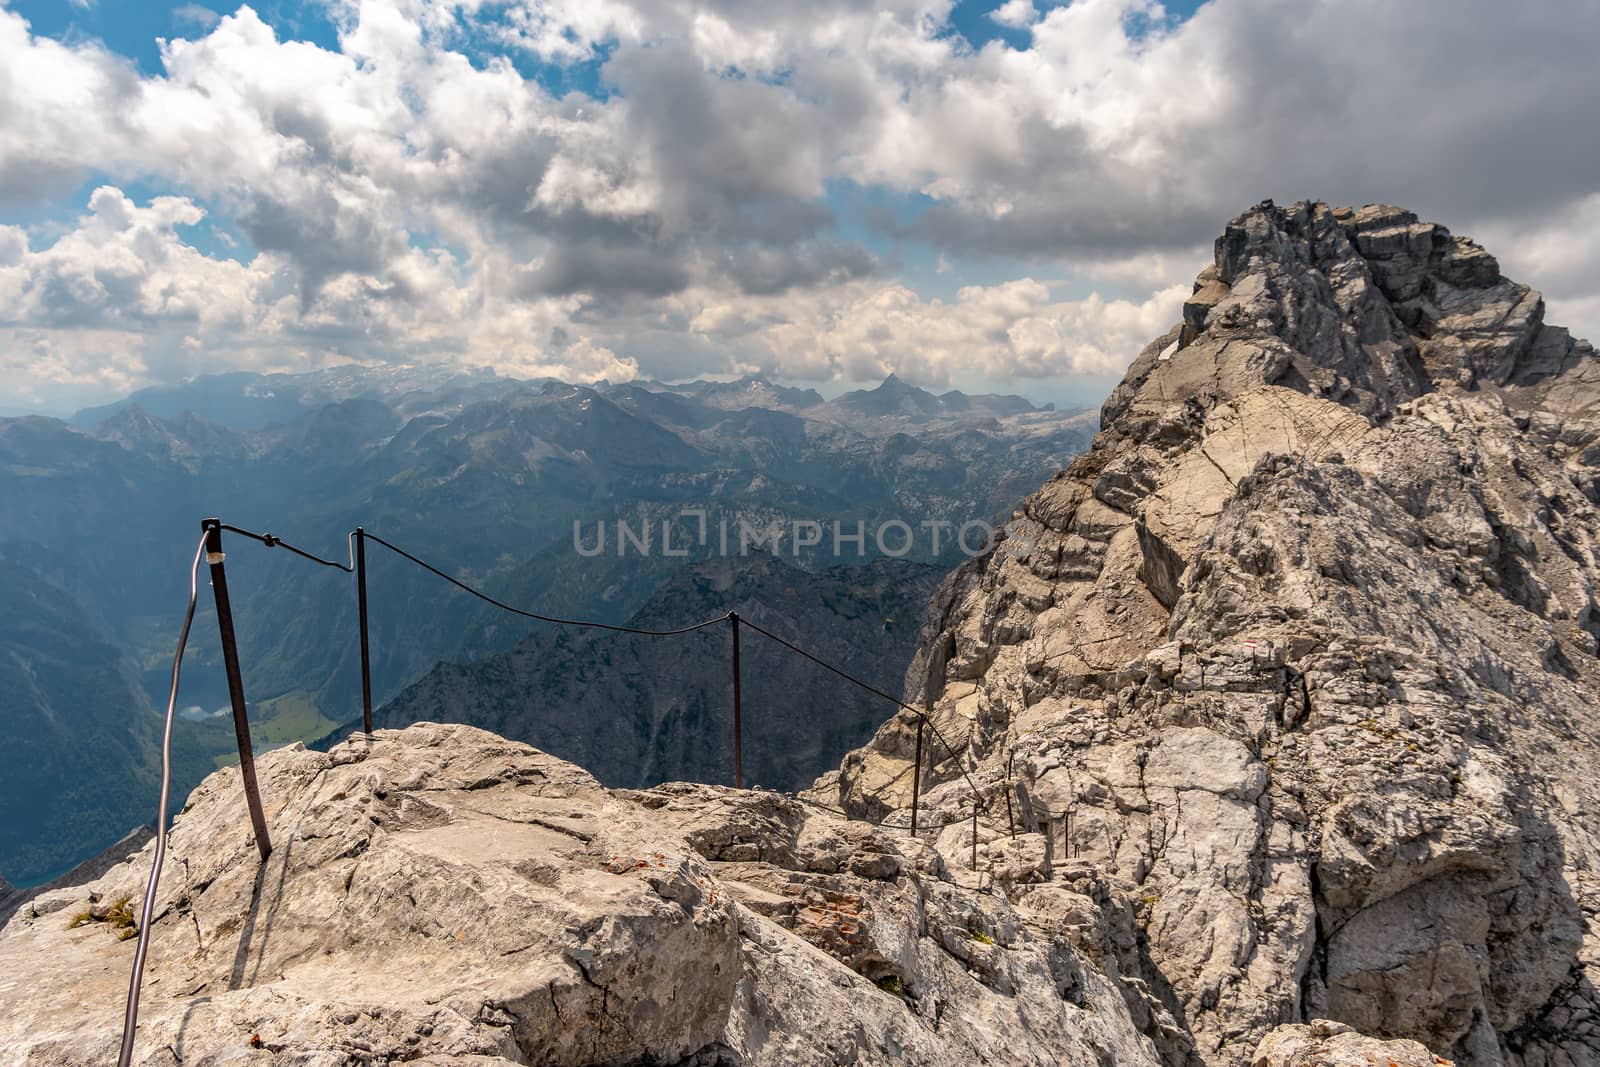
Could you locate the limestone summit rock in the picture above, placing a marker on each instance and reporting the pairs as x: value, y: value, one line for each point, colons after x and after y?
x: 1301, y: 657
x: 440, y: 895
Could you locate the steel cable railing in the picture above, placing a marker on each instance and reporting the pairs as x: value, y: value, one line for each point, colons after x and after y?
x: 590, y: 624
x: 277, y: 542
x: 211, y: 548
x: 733, y: 617
x: 130, y: 1015
x: 922, y: 716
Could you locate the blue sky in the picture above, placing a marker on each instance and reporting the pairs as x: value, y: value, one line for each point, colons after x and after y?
x: 987, y: 196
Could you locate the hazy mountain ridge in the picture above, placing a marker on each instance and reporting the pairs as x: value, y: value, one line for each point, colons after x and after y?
x: 249, y: 401
x: 482, y: 475
x: 895, y: 397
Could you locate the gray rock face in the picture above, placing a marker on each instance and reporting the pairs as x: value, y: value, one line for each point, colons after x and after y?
x: 1302, y: 655
x: 439, y: 895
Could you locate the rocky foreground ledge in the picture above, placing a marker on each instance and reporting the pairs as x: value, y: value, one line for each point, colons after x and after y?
x: 442, y: 896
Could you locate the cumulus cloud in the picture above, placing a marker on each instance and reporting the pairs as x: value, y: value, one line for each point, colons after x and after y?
x: 1018, y: 14
x: 124, y: 267
x: 864, y: 331
x: 58, y: 111
x: 413, y: 194
x: 122, y: 295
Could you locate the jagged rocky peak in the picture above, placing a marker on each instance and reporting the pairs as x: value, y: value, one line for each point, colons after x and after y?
x: 1368, y: 308
x: 1301, y: 657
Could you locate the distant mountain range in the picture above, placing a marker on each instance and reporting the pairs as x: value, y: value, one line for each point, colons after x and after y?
x: 246, y: 401
x: 897, y: 398
x: 892, y: 398
x: 486, y: 476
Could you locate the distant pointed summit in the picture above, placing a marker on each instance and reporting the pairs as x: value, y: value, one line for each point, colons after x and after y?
x: 895, y: 396
x: 185, y: 439
x: 892, y: 397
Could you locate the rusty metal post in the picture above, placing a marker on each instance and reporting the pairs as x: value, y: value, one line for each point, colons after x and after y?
x: 361, y: 606
x: 974, y: 833
x: 738, y: 726
x: 230, y: 663
x: 916, y: 773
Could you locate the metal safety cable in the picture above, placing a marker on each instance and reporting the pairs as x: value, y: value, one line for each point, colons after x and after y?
x: 277, y: 542
x: 130, y: 1018
x: 535, y: 615
x: 869, y: 687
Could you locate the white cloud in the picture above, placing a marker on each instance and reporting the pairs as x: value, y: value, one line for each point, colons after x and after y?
x: 1015, y: 330
x: 58, y: 111
x: 404, y: 202
x: 123, y: 267
x: 124, y: 271
x: 1017, y: 14
x: 1143, y: 272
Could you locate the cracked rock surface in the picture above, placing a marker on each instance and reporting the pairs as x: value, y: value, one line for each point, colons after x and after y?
x: 1301, y: 656
x: 440, y: 895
